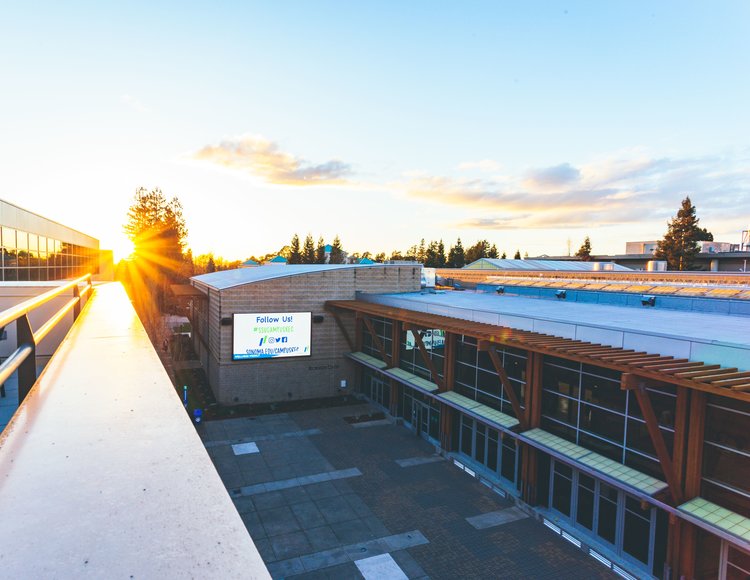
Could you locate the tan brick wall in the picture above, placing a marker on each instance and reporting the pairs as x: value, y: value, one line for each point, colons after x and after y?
x: 317, y: 375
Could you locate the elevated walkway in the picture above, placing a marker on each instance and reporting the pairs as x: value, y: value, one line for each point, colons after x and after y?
x: 102, y: 473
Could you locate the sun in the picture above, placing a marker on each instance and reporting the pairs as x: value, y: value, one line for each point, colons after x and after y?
x: 123, y: 249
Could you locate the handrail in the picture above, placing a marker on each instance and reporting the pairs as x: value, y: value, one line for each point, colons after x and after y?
x: 19, y: 310
x: 23, y: 359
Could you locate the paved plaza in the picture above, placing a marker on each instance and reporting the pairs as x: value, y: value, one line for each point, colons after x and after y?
x: 323, y: 498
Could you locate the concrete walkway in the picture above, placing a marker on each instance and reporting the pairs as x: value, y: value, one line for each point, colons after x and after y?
x: 400, y: 511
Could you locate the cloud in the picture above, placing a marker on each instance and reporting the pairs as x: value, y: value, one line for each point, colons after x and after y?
x: 263, y: 158
x: 551, y: 178
x: 486, y: 165
x: 611, y: 191
x: 134, y: 104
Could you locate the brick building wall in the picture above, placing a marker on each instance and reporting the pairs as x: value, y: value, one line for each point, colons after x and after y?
x: 290, y: 379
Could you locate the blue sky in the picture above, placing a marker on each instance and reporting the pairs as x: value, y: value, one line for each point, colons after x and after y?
x: 525, y: 123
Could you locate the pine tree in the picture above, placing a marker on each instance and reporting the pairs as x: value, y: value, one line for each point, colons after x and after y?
x: 440, y: 258
x: 584, y: 252
x: 308, y: 251
x: 517, y: 255
x: 421, y: 252
x: 337, y: 252
x: 492, y: 252
x: 504, y: 255
x: 294, y: 257
x: 320, y: 251
x: 456, y: 257
x: 680, y: 244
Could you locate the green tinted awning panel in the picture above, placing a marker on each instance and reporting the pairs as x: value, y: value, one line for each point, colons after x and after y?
x: 483, y: 412
x: 612, y: 469
x: 459, y: 400
x: 411, y: 379
x: 718, y: 517
x: 627, y: 475
x: 562, y: 446
x: 367, y: 359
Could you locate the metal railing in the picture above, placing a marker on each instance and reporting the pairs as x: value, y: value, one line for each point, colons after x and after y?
x: 23, y: 359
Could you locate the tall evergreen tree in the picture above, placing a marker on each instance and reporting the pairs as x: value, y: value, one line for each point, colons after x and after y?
x: 584, y: 252
x: 337, y: 252
x: 320, y: 251
x: 504, y: 255
x: 456, y: 256
x: 308, y: 250
x: 479, y: 250
x: 295, y: 256
x: 440, y: 258
x: 492, y: 252
x: 421, y: 254
x: 517, y: 255
x: 680, y: 244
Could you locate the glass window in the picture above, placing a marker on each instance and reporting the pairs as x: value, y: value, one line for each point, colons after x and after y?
x: 562, y: 488
x: 602, y: 423
x: 603, y: 392
x: 607, y: 521
x: 492, y: 447
x: 561, y: 408
x: 560, y: 380
x: 637, y: 532
x: 585, y: 510
x: 9, y: 238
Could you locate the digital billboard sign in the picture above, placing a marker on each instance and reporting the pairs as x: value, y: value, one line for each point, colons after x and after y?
x: 271, y: 335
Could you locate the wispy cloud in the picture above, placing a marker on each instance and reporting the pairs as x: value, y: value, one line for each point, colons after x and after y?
x: 134, y: 103
x: 615, y: 190
x: 263, y: 158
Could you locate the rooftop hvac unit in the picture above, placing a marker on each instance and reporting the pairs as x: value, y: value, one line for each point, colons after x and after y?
x: 656, y: 266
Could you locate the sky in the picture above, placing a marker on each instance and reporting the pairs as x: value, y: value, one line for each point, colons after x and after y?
x: 529, y: 124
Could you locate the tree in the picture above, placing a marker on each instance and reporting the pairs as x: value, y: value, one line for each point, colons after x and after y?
x: 210, y: 265
x: 456, y: 257
x: 440, y: 259
x: 421, y: 253
x: 492, y: 253
x: 517, y: 255
x: 320, y: 251
x: 380, y: 257
x: 157, y: 229
x: 337, y: 252
x: 680, y: 244
x: 584, y: 252
x: 479, y: 250
x: 308, y: 251
x: 504, y: 255
x: 295, y: 256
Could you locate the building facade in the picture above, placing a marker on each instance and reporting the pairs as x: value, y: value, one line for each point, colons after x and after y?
x: 222, y: 299
x: 36, y: 249
x: 624, y: 428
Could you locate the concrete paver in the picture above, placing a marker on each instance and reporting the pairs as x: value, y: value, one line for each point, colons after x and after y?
x: 419, y: 510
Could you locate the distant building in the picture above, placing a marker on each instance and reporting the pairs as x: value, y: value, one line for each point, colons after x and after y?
x: 249, y: 264
x: 276, y: 261
x: 35, y: 248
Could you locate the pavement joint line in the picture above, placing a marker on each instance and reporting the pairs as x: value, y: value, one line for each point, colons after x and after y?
x: 497, y: 518
x: 259, y: 488
x: 272, y: 437
x: 348, y: 553
x: 375, y: 423
x: 413, y: 461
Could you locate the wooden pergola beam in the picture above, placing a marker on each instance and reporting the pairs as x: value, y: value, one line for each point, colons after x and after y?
x: 436, y: 378
x: 507, y: 387
x: 637, y: 386
x: 376, y: 340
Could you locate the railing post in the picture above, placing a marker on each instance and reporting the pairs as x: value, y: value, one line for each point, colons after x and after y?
x: 77, y: 307
x: 27, y: 369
